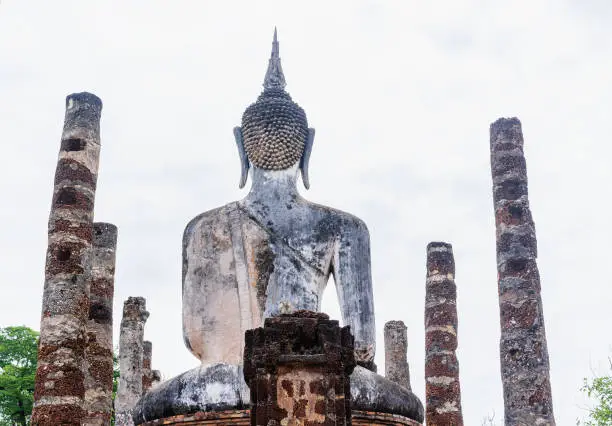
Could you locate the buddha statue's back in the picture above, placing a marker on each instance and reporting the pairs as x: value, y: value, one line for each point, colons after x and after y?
x: 247, y: 261
x: 273, y: 251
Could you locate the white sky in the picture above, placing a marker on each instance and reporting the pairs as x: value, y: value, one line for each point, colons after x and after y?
x: 401, y: 94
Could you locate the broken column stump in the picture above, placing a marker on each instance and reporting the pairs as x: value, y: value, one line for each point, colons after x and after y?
x: 150, y: 377
x: 442, y: 387
x: 298, y: 369
x: 99, y: 350
x: 59, y: 386
x: 396, y: 356
x: 523, y: 350
x: 131, y: 341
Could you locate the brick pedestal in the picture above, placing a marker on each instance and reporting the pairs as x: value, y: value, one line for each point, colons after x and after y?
x: 297, y: 367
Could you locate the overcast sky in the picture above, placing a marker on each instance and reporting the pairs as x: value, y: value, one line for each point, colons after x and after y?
x: 401, y: 94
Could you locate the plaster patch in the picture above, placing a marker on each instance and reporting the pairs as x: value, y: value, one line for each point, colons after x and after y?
x: 444, y: 328
x: 441, y: 380
x: 448, y: 407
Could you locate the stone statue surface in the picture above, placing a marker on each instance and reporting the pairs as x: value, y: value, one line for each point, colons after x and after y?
x: 272, y: 252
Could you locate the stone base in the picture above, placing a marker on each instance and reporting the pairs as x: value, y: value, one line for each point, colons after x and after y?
x: 242, y: 418
x: 372, y: 418
x: 229, y: 418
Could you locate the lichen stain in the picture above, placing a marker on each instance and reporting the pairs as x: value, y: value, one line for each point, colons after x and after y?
x: 261, y: 262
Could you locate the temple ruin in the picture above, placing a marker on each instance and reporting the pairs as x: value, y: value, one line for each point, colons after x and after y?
x: 254, y: 272
x: 268, y: 256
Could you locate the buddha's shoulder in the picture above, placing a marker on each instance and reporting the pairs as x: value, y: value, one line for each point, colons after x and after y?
x: 335, y: 218
x: 210, y: 218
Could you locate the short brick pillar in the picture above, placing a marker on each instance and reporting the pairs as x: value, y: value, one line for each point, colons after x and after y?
x: 298, y: 369
x: 396, y: 356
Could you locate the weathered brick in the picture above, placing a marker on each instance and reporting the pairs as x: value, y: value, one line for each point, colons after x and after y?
x: 441, y: 365
x: 306, y: 375
x: 66, y: 292
x: 523, y: 353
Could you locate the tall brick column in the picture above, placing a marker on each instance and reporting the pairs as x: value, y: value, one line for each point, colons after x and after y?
x: 99, y: 351
x: 131, y: 336
x: 523, y: 350
x: 59, y: 387
x: 298, y: 369
x: 396, y: 347
x: 442, y: 387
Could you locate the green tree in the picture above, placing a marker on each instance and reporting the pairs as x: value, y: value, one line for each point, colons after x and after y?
x: 599, y: 389
x: 18, y: 357
x: 115, y: 382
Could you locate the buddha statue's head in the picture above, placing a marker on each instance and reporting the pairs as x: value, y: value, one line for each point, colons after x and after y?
x: 274, y: 133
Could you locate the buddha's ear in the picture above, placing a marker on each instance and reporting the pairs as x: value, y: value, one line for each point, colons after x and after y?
x: 306, y: 157
x: 244, y: 161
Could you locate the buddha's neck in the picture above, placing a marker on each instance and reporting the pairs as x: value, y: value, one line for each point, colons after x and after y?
x: 271, y: 186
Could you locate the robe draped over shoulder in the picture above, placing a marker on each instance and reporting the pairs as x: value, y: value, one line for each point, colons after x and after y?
x: 235, y: 273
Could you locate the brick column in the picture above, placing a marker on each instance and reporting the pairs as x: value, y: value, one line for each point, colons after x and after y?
x: 396, y: 347
x: 442, y: 387
x: 59, y: 388
x: 156, y: 379
x: 131, y: 336
x: 147, y: 373
x: 297, y: 367
x: 523, y: 350
x: 99, y: 351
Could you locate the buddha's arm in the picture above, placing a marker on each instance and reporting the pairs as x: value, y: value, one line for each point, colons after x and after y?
x: 211, y: 313
x: 352, y: 274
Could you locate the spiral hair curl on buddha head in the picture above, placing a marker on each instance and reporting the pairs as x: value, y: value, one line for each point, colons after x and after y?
x: 274, y: 128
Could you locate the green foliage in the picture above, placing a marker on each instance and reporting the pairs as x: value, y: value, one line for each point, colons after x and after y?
x: 18, y: 357
x: 599, y: 389
x: 115, y: 374
x: 115, y: 383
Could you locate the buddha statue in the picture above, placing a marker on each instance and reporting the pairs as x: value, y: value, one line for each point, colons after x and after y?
x: 273, y: 251
x: 270, y: 253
